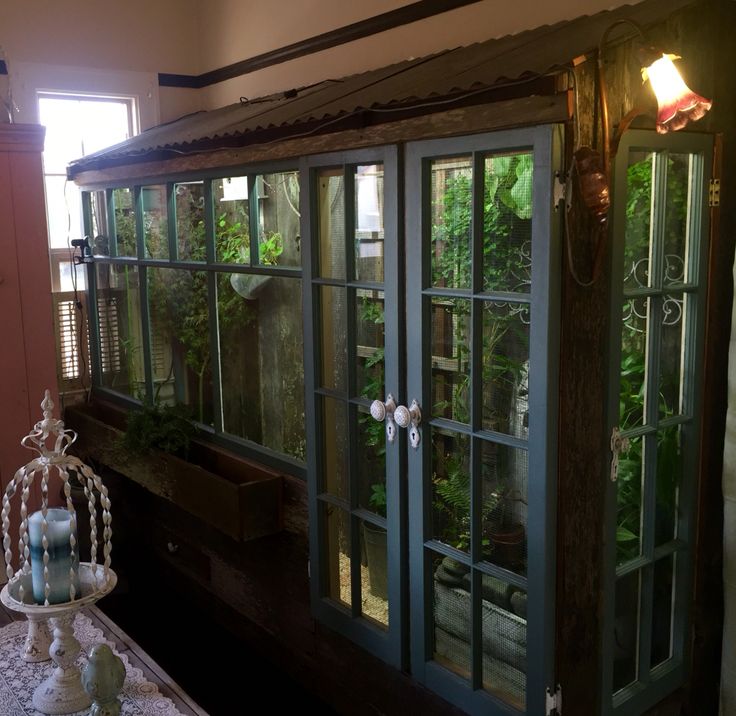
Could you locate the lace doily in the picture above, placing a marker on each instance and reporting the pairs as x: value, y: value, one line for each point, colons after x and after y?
x: 18, y: 678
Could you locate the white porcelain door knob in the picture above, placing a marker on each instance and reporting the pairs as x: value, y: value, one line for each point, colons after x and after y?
x: 385, y: 411
x: 402, y: 416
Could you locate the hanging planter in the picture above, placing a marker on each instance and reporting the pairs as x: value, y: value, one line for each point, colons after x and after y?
x: 248, y: 285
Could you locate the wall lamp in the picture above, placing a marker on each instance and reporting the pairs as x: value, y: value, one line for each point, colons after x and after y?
x: 677, y: 105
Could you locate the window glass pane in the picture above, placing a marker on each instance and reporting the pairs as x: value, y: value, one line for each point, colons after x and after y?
x: 179, y: 312
x: 451, y: 216
x: 670, y: 470
x: 121, y: 345
x: 504, y: 480
x: 503, y: 616
x: 451, y: 483
x: 333, y: 324
x: 103, y: 123
x: 278, y: 206
x: 72, y: 277
x: 371, y: 462
x: 100, y: 239
x: 63, y: 141
x: 662, y: 610
x: 335, y: 437
x: 64, y: 207
x: 155, y: 222
x: 124, y: 222
x: 369, y: 318
x: 369, y: 235
x: 629, y: 485
x: 189, y: 198
x: 452, y: 614
x: 374, y: 583
x: 261, y: 363
x: 331, y: 213
x: 673, y: 323
x: 634, y: 346
x: 638, y: 219
x: 450, y: 342
x: 507, y: 222
x: 626, y: 630
x: 676, y: 218
x: 337, y: 553
x: 232, y: 232
x: 505, y: 368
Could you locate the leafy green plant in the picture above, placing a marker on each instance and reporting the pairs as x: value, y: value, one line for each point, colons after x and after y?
x: 163, y: 427
x: 270, y: 248
x: 377, y: 500
x: 504, y: 348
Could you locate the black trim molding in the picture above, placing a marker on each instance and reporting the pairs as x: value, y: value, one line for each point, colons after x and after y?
x: 357, y: 30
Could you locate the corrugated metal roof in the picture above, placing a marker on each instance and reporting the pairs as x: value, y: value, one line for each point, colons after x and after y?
x: 466, y: 69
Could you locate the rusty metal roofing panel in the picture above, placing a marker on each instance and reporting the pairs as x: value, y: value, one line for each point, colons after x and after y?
x: 475, y: 67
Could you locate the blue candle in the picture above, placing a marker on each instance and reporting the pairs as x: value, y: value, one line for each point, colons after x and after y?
x: 58, y: 533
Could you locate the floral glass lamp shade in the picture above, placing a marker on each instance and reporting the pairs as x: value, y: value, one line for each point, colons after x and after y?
x: 678, y: 104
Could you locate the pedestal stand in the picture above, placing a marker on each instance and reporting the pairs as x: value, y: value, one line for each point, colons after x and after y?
x: 62, y: 692
x: 38, y: 640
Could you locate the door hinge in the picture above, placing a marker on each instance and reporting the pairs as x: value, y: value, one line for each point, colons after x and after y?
x: 714, y: 192
x: 554, y: 701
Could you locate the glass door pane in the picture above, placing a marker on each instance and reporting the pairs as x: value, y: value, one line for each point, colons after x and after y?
x: 480, y: 362
x: 353, y: 358
x: 658, y: 291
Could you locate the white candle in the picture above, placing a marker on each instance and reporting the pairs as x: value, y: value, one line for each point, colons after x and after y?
x: 58, y: 537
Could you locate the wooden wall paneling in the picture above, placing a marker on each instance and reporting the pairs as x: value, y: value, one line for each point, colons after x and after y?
x: 27, y: 357
x: 13, y: 392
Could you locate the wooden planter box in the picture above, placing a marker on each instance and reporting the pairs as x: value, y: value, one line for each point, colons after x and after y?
x: 236, y: 496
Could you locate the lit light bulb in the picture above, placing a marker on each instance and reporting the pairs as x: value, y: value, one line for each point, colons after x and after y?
x: 678, y: 104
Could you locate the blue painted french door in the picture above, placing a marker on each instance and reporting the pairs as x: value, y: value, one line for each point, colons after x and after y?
x: 482, y: 326
x: 353, y: 357
x: 430, y: 370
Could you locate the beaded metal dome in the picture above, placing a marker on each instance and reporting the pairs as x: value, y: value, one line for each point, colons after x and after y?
x: 51, y: 464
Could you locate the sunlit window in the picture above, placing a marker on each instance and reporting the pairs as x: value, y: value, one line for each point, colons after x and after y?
x: 75, y: 127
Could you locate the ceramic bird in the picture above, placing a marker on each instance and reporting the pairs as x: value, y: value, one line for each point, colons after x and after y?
x: 103, y: 677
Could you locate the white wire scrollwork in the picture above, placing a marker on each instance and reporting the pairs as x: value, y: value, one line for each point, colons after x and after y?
x: 635, y: 309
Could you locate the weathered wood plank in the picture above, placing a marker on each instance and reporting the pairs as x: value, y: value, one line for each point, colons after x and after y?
x: 243, y: 504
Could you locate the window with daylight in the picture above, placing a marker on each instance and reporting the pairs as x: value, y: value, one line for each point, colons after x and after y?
x: 76, y: 125
x: 197, y: 287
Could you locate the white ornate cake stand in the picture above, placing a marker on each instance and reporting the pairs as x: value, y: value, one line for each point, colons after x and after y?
x: 62, y: 692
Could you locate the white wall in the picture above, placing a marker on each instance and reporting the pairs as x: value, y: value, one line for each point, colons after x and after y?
x: 83, y: 45
x: 102, y: 46
x: 234, y: 30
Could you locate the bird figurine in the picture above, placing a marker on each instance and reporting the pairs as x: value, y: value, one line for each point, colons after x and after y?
x: 102, y: 678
